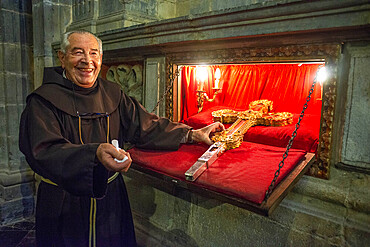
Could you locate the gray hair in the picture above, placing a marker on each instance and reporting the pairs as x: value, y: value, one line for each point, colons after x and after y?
x: 65, y: 41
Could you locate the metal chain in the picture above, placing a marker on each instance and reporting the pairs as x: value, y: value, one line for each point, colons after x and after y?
x: 290, y: 143
x: 172, y: 76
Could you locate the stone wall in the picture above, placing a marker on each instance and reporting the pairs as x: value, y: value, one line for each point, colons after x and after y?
x: 196, y: 7
x: 355, y: 86
x: 318, y: 212
x: 50, y: 20
x: 104, y: 15
x: 16, y: 71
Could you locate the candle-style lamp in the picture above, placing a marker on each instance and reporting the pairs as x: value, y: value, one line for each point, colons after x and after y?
x: 201, y: 76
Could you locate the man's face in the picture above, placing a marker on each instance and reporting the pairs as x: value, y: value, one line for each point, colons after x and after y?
x: 82, y: 61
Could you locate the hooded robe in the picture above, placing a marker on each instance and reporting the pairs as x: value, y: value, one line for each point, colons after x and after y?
x: 60, y: 131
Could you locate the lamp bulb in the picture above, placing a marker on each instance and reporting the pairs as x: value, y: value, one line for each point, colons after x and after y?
x: 322, y: 75
x: 202, y: 73
x: 218, y: 74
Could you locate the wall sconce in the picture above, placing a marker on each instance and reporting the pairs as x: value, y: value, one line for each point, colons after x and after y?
x: 201, y: 77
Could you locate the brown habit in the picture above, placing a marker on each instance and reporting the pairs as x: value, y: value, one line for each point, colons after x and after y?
x: 50, y: 140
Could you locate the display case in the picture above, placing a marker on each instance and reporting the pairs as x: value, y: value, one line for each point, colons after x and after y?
x: 271, y: 159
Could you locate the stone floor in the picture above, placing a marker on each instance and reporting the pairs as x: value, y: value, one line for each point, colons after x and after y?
x: 20, y: 234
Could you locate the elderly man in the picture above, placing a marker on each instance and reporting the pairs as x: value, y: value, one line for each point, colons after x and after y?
x: 65, y: 134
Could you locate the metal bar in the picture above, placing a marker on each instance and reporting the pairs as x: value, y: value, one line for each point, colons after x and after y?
x: 214, y: 151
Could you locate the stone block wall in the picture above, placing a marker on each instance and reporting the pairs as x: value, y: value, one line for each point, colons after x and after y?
x: 198, y: 7
x: 16, y: 72
x: 318, y: 212
x: 355, y: 151
x: 50, y: 20
x: 104, y: 15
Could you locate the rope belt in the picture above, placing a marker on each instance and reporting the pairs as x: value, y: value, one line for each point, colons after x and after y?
x: 41, y: 178
x: 92, y: 219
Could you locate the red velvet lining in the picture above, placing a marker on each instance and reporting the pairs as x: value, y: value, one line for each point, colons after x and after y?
x: 286, y: 85
x: 307, y: 136
x: 245, y: 172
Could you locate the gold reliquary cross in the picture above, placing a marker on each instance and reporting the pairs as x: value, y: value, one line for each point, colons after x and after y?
x: 259, y: 113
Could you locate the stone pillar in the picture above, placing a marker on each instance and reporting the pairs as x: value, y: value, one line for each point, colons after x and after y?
x: 50, y: 19
x: 353, y: 109
x: 16, y: 66
x: 167, y: 9
x: 99, y: 16
x: 155, y: 85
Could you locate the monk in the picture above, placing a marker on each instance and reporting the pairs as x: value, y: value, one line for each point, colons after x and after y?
x: 66, y: 132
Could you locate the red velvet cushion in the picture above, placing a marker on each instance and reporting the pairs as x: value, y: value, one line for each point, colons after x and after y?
x: 307, y: 136
x: 245, y: 172
x: 203, y: 118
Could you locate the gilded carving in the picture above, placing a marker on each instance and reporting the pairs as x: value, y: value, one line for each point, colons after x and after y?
x: 315, y: 52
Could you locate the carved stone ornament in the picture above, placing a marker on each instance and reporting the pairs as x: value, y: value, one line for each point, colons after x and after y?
x: 315, y: 52
x: 129, y: 77
x: 126, y: 1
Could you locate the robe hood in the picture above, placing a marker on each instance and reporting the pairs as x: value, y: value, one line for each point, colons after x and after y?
x: 103, y: 97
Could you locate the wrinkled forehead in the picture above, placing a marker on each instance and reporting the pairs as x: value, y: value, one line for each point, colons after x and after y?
x: 83, y: 41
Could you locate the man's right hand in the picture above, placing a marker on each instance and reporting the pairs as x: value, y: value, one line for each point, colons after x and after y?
x: 203, y: 134
x: 106, y: 154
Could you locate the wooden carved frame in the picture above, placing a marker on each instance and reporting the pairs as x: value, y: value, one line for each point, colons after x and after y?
x: 315, y: 52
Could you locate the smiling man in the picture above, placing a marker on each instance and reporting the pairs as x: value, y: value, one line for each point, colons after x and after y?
x: 82, y: 61
x: 65, y: 134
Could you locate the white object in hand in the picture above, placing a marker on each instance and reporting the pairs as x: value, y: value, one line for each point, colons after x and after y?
x: 115, y: 144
